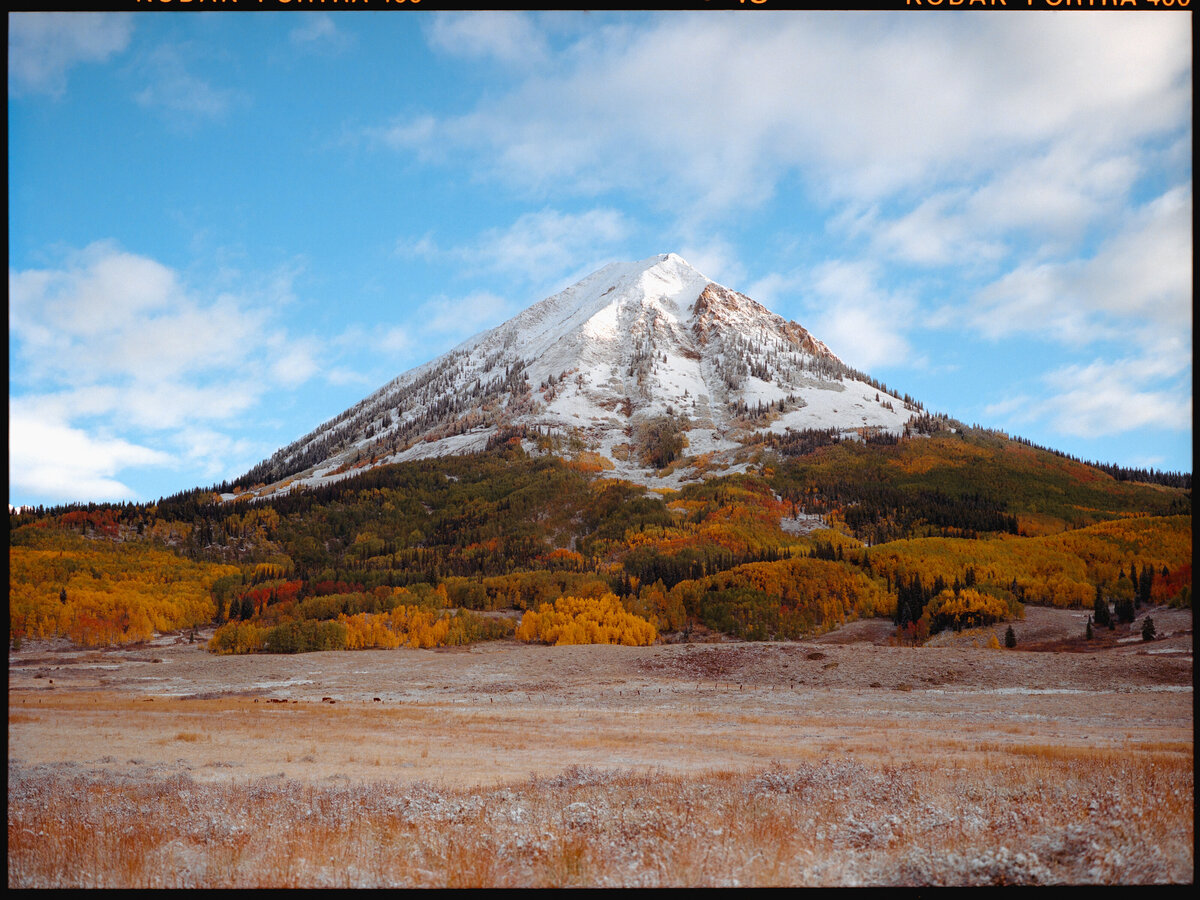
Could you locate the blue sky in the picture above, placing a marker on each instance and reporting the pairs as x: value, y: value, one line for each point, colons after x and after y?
x: 226, y: 228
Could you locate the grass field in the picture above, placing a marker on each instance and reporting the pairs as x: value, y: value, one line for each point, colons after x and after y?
x: 795, y: 764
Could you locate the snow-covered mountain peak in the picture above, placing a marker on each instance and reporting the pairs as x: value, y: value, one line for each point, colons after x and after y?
x: 590, y: 366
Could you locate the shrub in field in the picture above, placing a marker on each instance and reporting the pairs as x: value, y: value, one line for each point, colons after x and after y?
x: 407, y: 625
x: 585, y: 620
x: 305, y: 637
x: 784, y: 599
x: 237, y: 637
x: 967, y: 608
x: 415, y: 626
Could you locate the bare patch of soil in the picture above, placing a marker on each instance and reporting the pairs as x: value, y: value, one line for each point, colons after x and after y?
x: 503, y: 709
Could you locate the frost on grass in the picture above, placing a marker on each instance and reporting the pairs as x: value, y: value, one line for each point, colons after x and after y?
x: 1087, y: 820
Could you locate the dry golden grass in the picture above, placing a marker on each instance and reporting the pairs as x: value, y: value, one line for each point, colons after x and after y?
x: 1064, y: 818
x: 512, y: 765
x: 487, y: 744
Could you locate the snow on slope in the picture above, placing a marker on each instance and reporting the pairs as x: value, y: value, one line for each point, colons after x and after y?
x: 628, y: 343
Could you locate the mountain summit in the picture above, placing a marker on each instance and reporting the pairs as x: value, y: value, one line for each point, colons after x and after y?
x: 637, y: 364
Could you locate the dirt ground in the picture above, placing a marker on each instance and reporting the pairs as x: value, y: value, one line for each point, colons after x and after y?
x: 502, y: 710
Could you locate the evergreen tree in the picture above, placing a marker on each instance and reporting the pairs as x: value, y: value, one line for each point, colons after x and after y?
x: 1148, y: 629
x: 1089, y: 633
x: 1144, y: 586
x: 1101, y: 613
x: 1125, y: 611
x: 1010, y: 638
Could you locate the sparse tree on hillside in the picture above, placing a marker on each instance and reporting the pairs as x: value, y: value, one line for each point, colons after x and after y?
x: 661, y: 441
x: 1148, y: 629
x: 1010, y: 638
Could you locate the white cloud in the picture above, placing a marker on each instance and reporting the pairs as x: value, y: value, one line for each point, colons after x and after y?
x: 380, y: 337
x: 49, y: 458
x: 102, y: 289
x: 461, y: 317
x: 1048, y: 199
x: 111, y: 343
x: 715, y: 259
x: 44, y: 46
x: 109, y: 313
x: 1115, y: 397
x: 1056, y: 193
x: 394, y: 340
x: 342, y: 377
x: 738, y: 102
x: 1137, y: 286
x: 423, y: 248
x: 171, y: 87
x: 542, y: 248
x: 506, y: 36
x: 936, y: 232
x: 844, y: 305
x: 545, y: 243
x: 218, y: 455
x: 318, y: 30
x: 415, y: 134
x: 296, y: 363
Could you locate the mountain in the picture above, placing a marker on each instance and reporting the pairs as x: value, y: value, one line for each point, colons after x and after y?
x: 637, y: 364
x: 720, y: 520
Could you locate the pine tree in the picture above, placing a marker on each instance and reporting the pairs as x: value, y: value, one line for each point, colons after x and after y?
x: 1145, y: 585
x: 1148, y: 629
x: 1102, y: 614
x: 1010, y: 638
x: 1125, y: 611
x: 1089, y: 633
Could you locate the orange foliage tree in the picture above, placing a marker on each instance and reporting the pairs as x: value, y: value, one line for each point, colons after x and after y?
x: 100, y: 592
x: 585, y: 620
x: 966, y: 609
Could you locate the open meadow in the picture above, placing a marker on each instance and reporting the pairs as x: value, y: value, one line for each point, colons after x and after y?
x: 839, y: 760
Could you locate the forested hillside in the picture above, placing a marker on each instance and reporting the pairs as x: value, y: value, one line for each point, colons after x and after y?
x: 948, y: 530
